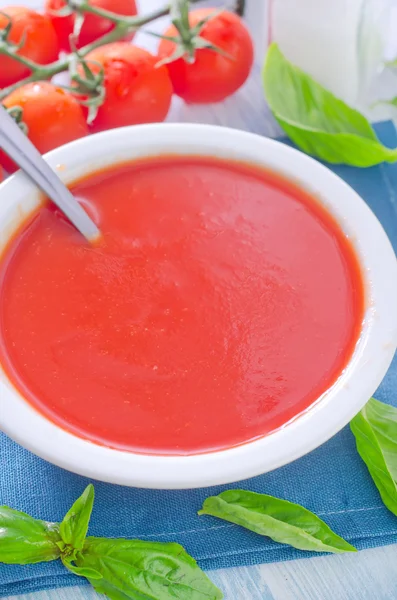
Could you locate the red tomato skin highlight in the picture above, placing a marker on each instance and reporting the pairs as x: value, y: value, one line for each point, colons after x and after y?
x: 52, y: 116
x: 41, y: 43
x: 212, y: 77
x: 93, y: 27
x: 137, y: 91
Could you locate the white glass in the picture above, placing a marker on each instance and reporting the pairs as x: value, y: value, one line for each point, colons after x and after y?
x: 341, y: 43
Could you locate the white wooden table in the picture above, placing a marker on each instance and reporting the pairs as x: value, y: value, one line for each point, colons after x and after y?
x: 368, y: 575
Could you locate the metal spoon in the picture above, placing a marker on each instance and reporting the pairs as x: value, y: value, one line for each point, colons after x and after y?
x: 16, y: 144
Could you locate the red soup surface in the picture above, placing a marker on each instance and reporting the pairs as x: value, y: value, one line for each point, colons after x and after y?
x: 221, y: 303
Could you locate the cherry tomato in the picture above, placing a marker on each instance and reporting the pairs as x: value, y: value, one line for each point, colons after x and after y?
x: 52, y: 117
x: 212, y: 76
x: 41, y: 43
x: 136, y: 91
x: 93, y: 27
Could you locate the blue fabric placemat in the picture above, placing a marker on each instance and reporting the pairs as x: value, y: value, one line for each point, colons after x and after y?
x: 331, y: 481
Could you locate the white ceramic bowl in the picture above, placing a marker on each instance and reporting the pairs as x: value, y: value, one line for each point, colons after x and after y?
x: 330, y: 413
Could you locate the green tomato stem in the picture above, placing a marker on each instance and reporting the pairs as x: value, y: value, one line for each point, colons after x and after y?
x: 130, y: 22
x: 39, y: 73
x: 4, y: 49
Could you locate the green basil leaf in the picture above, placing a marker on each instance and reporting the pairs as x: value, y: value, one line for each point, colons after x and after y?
x: 80, y: 571
x: 104, y: 587
x: 145, y: 570
x: 74, y: 526
x: 280, y: 520
x: 24, y: 540
x: 318, y: 122
x: 375, y: 430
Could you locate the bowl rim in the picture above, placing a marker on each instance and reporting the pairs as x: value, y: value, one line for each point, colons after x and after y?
x: 332, y: 411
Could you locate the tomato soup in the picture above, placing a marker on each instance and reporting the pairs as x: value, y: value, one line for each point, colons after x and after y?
x: 221, y: 302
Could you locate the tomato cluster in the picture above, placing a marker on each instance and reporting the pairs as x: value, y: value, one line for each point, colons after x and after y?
x: 137, y: 86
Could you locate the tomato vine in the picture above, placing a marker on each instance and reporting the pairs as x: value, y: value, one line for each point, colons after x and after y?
x: 123, y: 26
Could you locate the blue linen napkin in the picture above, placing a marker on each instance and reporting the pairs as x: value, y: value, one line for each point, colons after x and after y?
x: 331, y: 481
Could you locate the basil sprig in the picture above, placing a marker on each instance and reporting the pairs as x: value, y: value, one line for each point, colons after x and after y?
x: 25, y: 540
x: 74, y: 526
x: 121, y: 569
x: 147, y: 570
x: 375, y: 430
x: 282, y: 521
x: 318, y: 122
x: 73, y: 531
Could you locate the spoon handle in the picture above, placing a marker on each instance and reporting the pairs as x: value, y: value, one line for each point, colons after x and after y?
x: 16, y: 144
